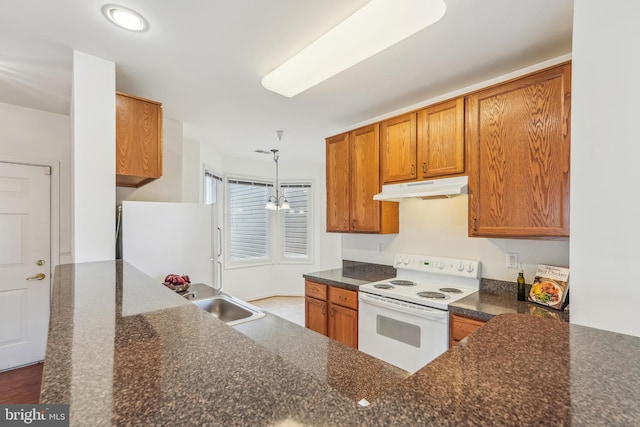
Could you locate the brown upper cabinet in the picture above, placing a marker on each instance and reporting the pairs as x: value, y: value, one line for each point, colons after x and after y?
x: 425, y: 144
x: 518, y: 136
x: 138, y: 140
x: 441, y: 139
x: 353, y: 178
x: 398, y: 142
x: 338, y: 163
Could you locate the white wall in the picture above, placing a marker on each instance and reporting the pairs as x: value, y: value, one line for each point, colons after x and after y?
x: 167, y: 188
x: 191, y: 172
x: 38, y: 137
x: 605, y: 224
x: 439, y: 227
x: 94, y: 158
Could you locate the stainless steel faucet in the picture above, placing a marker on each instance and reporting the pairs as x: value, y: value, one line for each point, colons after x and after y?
x: 190, y: 293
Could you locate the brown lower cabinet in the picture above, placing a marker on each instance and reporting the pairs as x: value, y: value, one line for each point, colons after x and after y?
x: 332, y: 311
x: 460, y: 327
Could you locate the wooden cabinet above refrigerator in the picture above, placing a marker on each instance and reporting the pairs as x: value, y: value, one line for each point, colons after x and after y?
x: 138, y: 140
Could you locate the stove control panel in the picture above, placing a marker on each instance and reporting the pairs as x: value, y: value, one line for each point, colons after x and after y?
x: 432, y: 264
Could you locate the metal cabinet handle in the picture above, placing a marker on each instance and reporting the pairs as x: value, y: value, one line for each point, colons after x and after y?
x: 413, y: 168
x: 324, y: 309
x: 424, y: 167
x: 39, y: 276
x: 331, y: 312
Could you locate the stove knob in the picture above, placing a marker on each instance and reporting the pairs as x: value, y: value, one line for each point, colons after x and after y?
x: 405, y: 260
x: 441, y: 265
x: 461, y: 267
x: 470, y: 268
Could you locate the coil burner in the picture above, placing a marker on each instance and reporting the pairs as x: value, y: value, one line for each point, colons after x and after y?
x: 432, y: 295
x: 398, y: 282
x: 451, y: 290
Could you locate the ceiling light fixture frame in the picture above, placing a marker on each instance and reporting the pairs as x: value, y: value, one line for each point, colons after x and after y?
x: 376, y: 26
x: 137, y: 24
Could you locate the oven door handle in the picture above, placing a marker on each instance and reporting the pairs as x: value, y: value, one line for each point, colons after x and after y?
x: 403, y: 307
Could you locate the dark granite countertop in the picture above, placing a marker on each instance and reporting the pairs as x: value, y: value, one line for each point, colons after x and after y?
x: 352, y: 274
x: 124, y: 350
x: 499, y: 297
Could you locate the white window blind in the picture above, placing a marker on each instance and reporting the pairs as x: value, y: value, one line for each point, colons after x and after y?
x: 248, y: 220
x: 210, y: 187
x: 296, y: 221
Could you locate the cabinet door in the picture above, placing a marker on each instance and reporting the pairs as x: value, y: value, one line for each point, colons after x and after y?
x: 398, y: 148
x: 460, y: 327
x: 315, y: 315
x: 138, y: 140
x: 441, y: 139
x: 343, y: 325
x: 338, y: 183
x: 519, y: 138
x: 365, y: 179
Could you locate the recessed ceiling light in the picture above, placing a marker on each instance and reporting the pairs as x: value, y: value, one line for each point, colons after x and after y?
x: 376, y: 26
x: 124, y: 17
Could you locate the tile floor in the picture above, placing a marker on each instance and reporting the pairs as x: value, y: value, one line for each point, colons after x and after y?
x: 290, y: 308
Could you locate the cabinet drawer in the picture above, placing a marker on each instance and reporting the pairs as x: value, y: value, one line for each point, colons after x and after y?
x: 463, y: 326
x: 315, y: 290
x: 343, y: 297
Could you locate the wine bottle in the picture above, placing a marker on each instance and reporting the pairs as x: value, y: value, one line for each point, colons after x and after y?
x: 521, y: 292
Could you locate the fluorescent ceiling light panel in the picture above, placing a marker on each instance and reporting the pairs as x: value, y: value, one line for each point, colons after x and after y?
x: 376, y: 26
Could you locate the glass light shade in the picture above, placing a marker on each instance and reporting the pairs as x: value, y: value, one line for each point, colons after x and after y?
x: 285, y: 205
x: 271, y: 205
x: 124, y: 18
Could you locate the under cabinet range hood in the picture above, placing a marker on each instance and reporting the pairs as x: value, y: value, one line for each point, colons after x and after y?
x: 433, y: 189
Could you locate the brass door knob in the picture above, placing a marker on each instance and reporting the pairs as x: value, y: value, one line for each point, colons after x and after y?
x: 39, y: 276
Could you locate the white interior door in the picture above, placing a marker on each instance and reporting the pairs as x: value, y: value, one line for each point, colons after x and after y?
x: 25, y: 257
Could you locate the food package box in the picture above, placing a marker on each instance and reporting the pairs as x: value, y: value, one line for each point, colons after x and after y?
x: 550, y: 287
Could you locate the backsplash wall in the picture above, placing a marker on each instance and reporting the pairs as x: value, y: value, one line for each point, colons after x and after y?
x: 439, y: 227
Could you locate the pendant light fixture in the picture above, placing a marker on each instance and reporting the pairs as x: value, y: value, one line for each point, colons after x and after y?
x: 276, y: 202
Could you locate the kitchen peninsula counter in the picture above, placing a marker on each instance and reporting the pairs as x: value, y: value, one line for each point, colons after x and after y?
x: 124, y: 350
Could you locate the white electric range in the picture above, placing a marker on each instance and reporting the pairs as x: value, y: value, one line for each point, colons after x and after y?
x: 405, y: 320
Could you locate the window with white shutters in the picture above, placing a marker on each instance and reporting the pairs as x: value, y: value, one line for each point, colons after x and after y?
x: 296, y: 224
x: 248, y: 221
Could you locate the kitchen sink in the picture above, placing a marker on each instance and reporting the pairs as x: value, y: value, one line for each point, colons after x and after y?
x: 229, y: 309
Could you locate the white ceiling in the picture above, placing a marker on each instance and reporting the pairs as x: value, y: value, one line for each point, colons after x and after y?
x: 204, y: 60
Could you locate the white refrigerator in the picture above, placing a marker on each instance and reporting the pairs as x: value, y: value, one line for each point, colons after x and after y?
x: 170, y: 238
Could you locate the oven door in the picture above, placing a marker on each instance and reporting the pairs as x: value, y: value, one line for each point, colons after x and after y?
x: 403, y: 334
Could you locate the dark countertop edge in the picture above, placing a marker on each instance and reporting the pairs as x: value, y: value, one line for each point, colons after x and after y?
x: 352, y: 275
x: 338, y: 284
